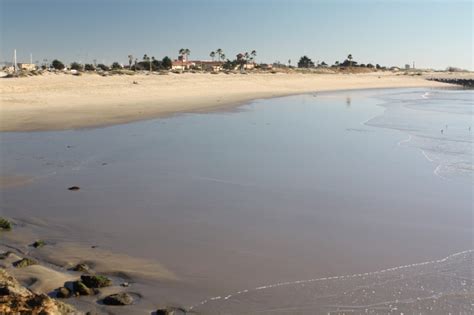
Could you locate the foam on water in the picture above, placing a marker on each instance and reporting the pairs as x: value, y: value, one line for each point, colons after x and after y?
x: 438, y: 123
x: 459, y: 264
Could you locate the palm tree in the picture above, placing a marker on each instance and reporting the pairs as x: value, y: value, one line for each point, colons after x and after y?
x: 223, y: 56
x: 350, y: 60
x: 253, y: 54
x: 152, y: 62
x: 242, y: 60
x: 219, y: 52
x: 185, y: 52
x: 212, y: 54
x: 146, y: 58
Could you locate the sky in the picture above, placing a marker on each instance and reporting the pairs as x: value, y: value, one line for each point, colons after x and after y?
x: 433, y: 34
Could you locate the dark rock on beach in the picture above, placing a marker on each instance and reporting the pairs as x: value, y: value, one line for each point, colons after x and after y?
x: 38, y: 244
x: 118, y: 299
x: 96, y: 281
x: 25, y: 262
x: 5, y: 224
x: 171, y: 311
x: 81, y: 268
x: 63, y: 293
x: 5, y: 255
x: 74, y: 188
x: 81, y: 289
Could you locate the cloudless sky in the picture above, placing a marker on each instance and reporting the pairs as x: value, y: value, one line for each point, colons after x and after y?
x: 432, y: 33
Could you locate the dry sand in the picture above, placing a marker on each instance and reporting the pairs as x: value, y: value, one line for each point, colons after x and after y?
x: 60, y: 101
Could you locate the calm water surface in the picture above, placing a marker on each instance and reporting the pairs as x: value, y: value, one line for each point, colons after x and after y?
x: 276, y: 191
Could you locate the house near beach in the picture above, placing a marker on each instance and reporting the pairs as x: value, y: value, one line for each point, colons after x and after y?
x: 206, y: 65
x: 9, y: 67
x: 181, y: 65
x: 26, y: 66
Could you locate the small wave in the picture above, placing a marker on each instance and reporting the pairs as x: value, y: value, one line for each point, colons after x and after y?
x: 437, y: 172
x: 404, y: 141
x: 426, y: 156
x: 344, y: 277
x: 358, y: 130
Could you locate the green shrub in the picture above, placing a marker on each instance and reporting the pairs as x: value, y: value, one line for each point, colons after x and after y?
x: 102, y: 67
x: 116, y: 66
x: 89, y: 67
x: 76, y: 66
x: 58, y: 65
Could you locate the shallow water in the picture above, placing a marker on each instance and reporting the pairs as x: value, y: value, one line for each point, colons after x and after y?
x: 439, y: 123
x: 286, y: 189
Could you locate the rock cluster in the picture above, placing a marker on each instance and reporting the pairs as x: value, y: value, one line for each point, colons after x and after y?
x: 16, y: 299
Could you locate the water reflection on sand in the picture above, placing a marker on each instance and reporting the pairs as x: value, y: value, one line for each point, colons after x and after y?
x: 291, y: 188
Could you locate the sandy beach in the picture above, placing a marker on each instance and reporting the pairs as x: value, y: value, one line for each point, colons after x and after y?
x: 60, y: 102
x: 139, y: 217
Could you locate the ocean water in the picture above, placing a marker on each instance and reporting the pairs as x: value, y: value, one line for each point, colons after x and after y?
x: 268, y: 199
x: 439, y: 123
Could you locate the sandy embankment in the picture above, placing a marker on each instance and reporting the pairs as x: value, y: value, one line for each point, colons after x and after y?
x: 58, y: 101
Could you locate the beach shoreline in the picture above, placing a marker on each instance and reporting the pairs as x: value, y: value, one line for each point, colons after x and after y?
x: 63, y: 102
x: 156, y: 281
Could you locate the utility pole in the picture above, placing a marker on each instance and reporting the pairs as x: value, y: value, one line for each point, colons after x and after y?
x: 15, y: 66
x: 31, y: 58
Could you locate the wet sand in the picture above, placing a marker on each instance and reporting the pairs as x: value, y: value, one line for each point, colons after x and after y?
x: 280, y: 190
x: 59, y: 101
x: 12, y: 181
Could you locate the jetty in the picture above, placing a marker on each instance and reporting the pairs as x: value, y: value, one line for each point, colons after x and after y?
x: 466, y: 82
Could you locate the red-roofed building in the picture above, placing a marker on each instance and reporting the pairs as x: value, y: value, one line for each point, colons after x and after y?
x: 205, y: 65
x: 182, y: 65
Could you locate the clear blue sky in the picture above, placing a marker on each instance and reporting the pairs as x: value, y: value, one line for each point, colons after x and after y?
x: 432, y: 33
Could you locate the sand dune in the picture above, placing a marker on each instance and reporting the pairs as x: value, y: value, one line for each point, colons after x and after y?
x: 59, y: 101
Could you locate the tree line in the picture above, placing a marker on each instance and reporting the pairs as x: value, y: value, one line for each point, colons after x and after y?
x: 150, y: 63
x: 146, y: 63
x: 306, y: 62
